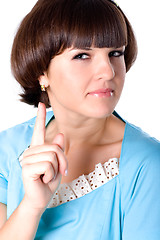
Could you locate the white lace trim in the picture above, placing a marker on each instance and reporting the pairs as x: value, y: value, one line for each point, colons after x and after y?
x: 86, y: 183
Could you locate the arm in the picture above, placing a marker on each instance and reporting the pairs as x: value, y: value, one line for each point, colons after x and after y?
x: 42, y: 167
x: 22, y: 224
x: 3, y: 214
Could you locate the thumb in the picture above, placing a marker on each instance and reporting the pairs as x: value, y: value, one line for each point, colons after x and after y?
x: 59, y: 140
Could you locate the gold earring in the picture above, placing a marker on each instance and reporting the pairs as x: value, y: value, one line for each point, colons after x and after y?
x: 43, y: 89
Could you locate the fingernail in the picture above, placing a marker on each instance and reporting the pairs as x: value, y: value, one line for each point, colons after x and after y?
x: 39, y: 105
x: 66, y: 173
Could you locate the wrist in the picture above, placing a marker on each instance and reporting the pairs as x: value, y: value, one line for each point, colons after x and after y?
x: 31, y: 209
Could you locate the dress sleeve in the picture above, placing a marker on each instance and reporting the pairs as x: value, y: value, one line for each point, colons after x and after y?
x: 3, y: 170
x: 141, y: 220
x: 3, y: 189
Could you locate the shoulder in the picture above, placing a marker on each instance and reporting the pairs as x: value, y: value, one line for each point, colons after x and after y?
x: 136, y: 142
x: 139, y: 151
x: 140, y: 145
x: 144, y: 152
x: 16, y: 139
x: 13, y: 142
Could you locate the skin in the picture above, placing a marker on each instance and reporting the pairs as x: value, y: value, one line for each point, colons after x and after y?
x: 69, y: 79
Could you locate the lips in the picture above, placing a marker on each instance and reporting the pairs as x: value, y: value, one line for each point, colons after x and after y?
x: 107, y: 92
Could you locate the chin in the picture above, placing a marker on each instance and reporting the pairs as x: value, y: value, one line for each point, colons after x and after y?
x: 100, y: 113
x: 101, y: 108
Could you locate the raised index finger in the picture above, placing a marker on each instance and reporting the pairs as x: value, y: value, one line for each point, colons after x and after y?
x: 39, y: 129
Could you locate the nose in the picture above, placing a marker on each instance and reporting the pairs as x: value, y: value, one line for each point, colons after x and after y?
x: 104, y: 68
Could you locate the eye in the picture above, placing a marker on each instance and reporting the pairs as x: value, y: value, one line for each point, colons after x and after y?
x: 116, y: 53
x: 81, y: 56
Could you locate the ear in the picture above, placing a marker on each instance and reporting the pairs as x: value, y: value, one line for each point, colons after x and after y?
x: 43, y: 80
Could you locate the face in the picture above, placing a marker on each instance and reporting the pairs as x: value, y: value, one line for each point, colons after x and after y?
x: 86, y: 81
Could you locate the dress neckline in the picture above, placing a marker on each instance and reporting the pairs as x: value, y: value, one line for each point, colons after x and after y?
x: 85, y: 184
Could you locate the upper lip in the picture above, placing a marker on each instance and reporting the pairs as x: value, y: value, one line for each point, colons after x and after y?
x: 102, y: 90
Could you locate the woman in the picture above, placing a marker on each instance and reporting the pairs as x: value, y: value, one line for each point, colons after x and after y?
x: 86, y: 172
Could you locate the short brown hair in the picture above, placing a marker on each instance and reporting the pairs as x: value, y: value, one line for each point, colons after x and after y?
x: 54, y: 25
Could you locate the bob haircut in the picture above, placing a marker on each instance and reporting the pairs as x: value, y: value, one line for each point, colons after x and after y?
x: 54, y: 25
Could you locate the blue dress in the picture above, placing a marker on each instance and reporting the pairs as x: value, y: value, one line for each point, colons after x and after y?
x: 125, y: 208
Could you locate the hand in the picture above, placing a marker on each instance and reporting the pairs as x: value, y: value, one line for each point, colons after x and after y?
x: 43, y: 165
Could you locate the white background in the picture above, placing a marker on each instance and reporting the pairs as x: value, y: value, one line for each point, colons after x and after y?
x: 140, y: 100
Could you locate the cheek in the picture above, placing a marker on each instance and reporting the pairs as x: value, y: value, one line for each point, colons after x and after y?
x: 73, y: 77
x: 121, y: 70
x: 66, y: 83
x: 120, y: 77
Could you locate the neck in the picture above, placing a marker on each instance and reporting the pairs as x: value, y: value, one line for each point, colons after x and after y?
x: 80, y: 130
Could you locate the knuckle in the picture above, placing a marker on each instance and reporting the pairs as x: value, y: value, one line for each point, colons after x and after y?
x: 48, y: 166
x: 56, y: 148
x: 51, y: 156
x: 54, y: 162
x: 50, y: 170
x: 51, y: 174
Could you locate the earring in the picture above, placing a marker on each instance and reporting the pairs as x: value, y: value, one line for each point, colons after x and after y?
x: 43, y: 89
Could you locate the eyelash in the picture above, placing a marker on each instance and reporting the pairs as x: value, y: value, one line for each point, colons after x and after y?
x: 79, y: 56
x: 111, y: 54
